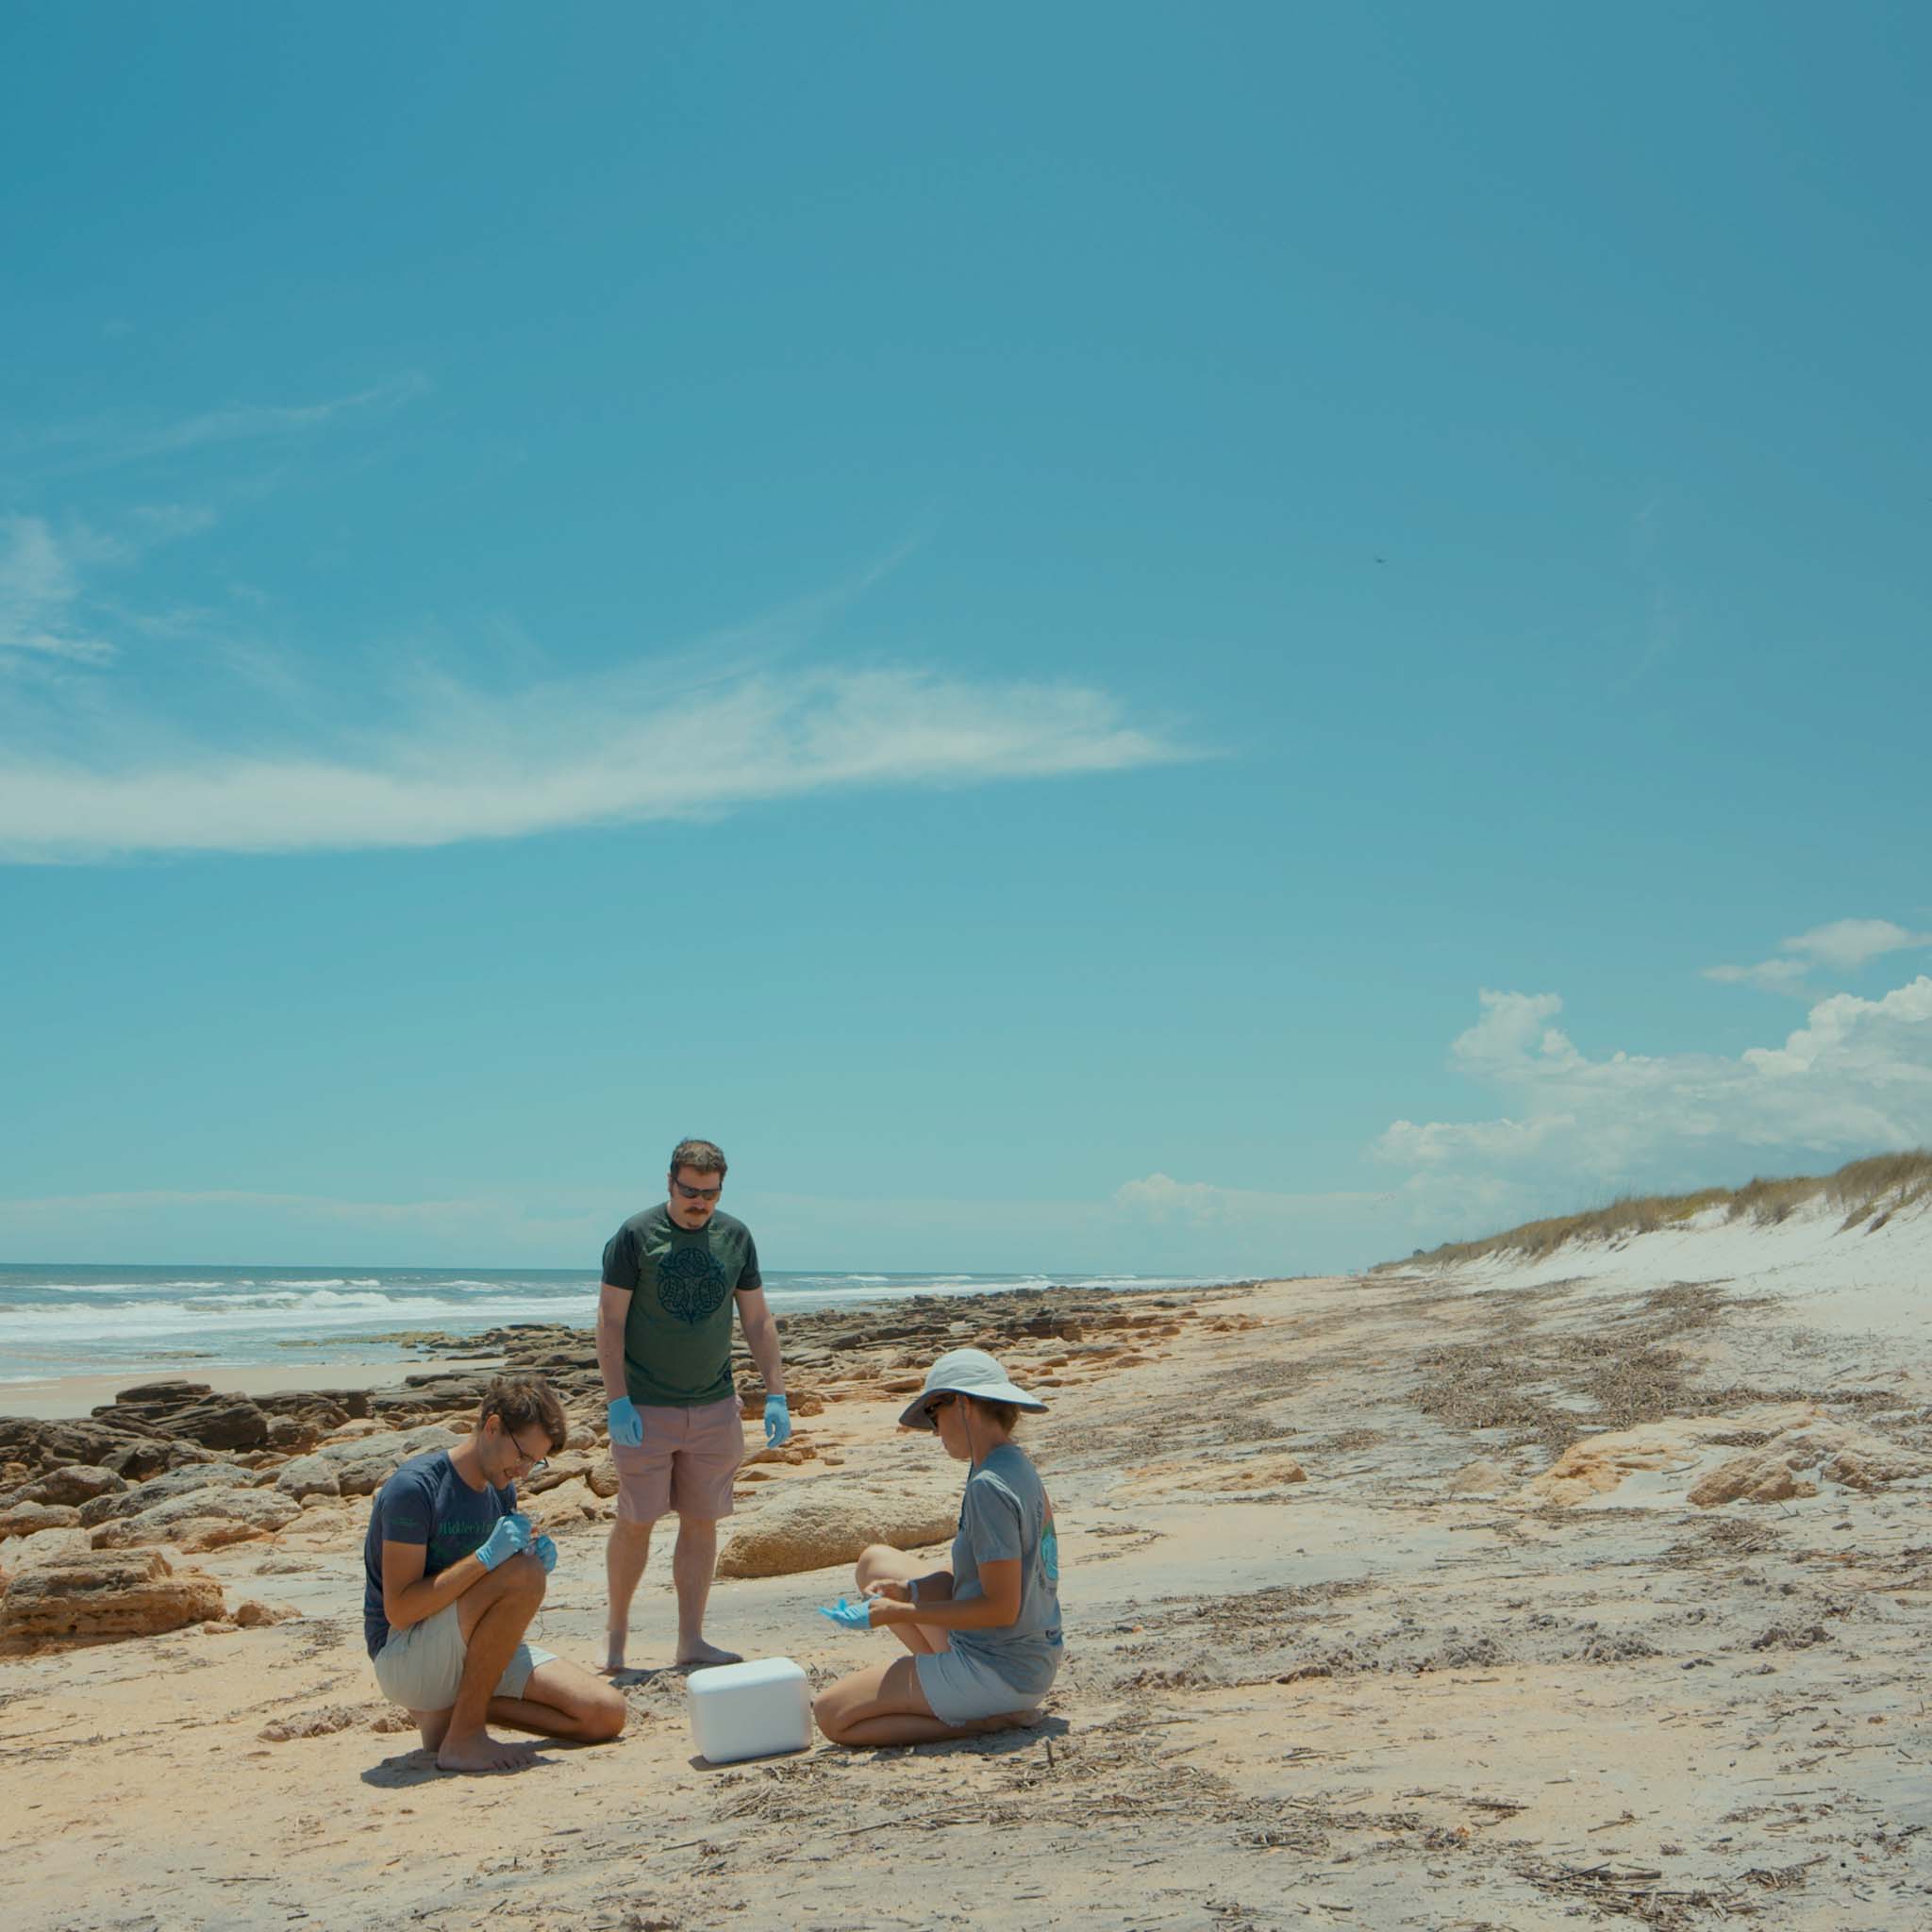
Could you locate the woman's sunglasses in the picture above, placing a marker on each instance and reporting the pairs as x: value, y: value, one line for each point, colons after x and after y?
x: 929, y: 1409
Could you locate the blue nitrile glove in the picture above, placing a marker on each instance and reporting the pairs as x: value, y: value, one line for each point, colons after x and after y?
x: 546, y: 1552
x: 510, y: 1538
x: 849, y: 1616
x: 626, y: 1425
x: 777, y: 1421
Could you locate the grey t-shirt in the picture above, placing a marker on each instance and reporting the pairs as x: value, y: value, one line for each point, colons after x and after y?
x: 677, y: 1336
x: 1004, y: 1513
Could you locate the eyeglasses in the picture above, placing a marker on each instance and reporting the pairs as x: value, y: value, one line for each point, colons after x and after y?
x: 532, y: 1464
x: 698, y: 1193
x: 929, y: 1409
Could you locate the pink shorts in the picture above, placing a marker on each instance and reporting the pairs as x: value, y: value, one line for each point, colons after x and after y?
x: 684, y: 1463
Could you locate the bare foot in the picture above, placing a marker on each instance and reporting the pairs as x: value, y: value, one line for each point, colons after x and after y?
x: 481, y: 1752
x: 703, y: 1653
x: 613, y: 1664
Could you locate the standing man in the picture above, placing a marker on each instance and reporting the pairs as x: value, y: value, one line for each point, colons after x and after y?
x: 664, y: 1347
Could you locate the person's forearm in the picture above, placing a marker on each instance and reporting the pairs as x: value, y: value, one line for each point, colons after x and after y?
x: 762, y: 1338
x: 611, y: 1356
x: 974, y: 1613
x: 429, y: 1594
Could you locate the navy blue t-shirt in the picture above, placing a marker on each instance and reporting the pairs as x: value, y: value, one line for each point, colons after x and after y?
x: 426, y: 1502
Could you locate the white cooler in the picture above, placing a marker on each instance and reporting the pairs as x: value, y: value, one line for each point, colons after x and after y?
x: 753, y: 1709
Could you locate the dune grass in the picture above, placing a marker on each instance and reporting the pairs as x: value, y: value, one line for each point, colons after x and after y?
x: 1867, y: 1192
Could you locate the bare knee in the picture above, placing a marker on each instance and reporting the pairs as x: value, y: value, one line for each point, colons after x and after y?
x: 828, y: 1711
x: 604, y: 1715
x: 524, y: 1576
x: 874, y: 1562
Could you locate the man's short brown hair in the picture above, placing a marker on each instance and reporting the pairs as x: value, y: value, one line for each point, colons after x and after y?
x: 525, y: 1402
x: 701, y: 1156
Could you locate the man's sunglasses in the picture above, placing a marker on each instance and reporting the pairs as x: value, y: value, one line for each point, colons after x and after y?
x: 929, y: 1409
x: 698, y: 1193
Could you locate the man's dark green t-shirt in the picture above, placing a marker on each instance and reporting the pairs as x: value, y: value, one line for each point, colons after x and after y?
x: 678, y: 1340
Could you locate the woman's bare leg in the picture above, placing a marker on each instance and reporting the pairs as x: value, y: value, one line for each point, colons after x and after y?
x: 885, y: 1704
x: 882, y: 1563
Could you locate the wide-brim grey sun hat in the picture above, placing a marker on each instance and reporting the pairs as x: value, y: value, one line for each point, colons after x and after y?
x: 966, y: 1372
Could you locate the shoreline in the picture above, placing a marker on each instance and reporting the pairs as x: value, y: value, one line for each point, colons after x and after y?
x: 438, y: 1352
x: 65, y: 1398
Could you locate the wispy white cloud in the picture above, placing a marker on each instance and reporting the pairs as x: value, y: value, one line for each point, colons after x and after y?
x: 106, y: 442
x: 1842, y: 946
x: 39, y: 593
x: 51, y: 605
x: 459, y: 763
x: 1856, y: 1079
x: 1772, y: 975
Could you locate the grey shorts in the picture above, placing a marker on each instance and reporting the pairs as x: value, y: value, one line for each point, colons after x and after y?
x: 960, y: 1689
x: 420, y: 1667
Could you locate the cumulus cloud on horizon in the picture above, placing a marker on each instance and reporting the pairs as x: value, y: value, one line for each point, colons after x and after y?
x: 1856, y: 1079
x: 1842, y: 946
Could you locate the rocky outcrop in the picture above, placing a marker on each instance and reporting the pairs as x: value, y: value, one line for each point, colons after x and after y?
x: 1765, y: 1478
x: 189, y: 1480
x: 819, y: 1521
x: 103, y: 1595
x: 216, y: 1421
x: 36, y: 1447
x: 29, y: 1552
x: 357, y: 1468
x: 26, y: 1519
x: 204, y: 1519
x: 1871, y: 1465
x: 79, y: 1484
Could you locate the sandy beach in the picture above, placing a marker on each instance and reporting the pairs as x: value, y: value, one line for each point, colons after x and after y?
x: 1403, y: 1600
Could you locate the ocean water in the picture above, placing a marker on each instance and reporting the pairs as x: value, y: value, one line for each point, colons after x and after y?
x: 71, y: 1320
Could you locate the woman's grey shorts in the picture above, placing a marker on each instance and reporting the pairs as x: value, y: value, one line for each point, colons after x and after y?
x: 420, y: 1667
x: 961, y: 1688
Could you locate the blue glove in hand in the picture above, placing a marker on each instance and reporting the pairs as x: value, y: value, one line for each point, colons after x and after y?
x: 777, y: 1421
x: 545, y: 1552
x: 849, y: 1616
x: 626, y: 1425
x: 510, y: 1538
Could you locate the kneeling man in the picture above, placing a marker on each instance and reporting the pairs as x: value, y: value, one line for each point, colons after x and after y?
x: 453, y: 1576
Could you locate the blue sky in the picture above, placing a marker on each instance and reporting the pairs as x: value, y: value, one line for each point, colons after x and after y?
x: 1102, y: 638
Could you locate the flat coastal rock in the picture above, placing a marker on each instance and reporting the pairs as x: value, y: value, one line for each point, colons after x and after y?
x: 40, y: 1446
x: 202, y: 1520
x: 102, y: 1595
x: 188, y: 1480
x: 81, y: 1484
x: 820, y: 1520
x: 26, y: 1519
x: 360, y: 1467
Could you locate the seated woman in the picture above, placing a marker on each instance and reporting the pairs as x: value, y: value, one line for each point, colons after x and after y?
x: 985, y: 1635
